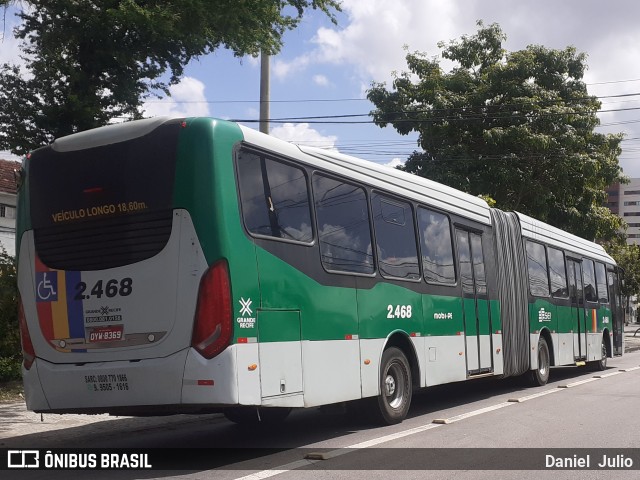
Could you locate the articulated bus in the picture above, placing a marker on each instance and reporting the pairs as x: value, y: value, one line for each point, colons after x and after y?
x: 195, y: 265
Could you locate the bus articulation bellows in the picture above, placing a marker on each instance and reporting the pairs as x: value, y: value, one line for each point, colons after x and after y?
x: 195, y: 265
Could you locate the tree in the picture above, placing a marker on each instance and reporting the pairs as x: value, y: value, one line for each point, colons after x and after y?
x: 10, y: 357
x: 91, y: 61
x: 517, y: 127
x: 628, y: 258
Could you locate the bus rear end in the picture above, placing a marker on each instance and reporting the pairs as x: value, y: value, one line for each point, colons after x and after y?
x: 123, y: 308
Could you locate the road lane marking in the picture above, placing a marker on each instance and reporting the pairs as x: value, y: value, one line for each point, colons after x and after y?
x: 321, y: 456
x: 629, y: 369
x: 282, y: 469
x: 457, y: 418
x: 581, y: 382
x: 316, y: 457
x: 605, y: 375
x: 534, y: 395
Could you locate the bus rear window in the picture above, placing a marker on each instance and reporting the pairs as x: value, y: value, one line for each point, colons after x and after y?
x: 104, y: 206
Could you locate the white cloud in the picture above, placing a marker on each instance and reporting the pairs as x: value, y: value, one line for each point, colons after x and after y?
x: 372, y: 35
x: 187, y: 100
x: 368, y: 45
x: 282, y: 69
x: 253, y: 61
x: 373, y: 38
x: 396, y: 162
x: 6, y: 155
x: 10, y: 49
x: 376, y: 31
x: 252, y: 113
x: 301, y: 133
x: 321, y: 80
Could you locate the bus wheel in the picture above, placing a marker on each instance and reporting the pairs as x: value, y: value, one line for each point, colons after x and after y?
x: 602, y: 363
x: 395, y: 387
x: 540, y: 375
x: 252, y: 415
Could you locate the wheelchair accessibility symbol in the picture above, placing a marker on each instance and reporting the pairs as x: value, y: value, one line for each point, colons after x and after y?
x: 47, y: 286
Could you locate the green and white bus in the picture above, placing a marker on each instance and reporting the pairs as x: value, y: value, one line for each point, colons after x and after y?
x: 195, y: 265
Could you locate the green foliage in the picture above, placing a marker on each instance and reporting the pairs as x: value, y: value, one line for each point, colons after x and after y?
x: 10, y: 352
x: 517, y: 127
x: 10, y: 369
x: 91, y: 61
x: 627, y: 257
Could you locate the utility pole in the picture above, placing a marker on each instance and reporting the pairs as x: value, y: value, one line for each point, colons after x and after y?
x: 264, y: 92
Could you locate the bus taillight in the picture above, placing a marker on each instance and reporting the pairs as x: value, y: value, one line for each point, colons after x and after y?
x: 212, y: 329
x: 28, y: 353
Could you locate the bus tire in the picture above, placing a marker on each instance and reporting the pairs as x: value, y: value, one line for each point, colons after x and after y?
x: 395, y: 387
x: 600, y: 365
x: 254, y: 416
x: 540, y: 375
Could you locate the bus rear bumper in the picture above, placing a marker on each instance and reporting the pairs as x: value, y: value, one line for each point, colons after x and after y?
x: 33, y: 392
x: 143, y: 387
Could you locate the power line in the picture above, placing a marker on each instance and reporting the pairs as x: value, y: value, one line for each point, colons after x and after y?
x: 304, y: 100
x: 615, y: 81
x: 465, y: 116
x: 329, y: 100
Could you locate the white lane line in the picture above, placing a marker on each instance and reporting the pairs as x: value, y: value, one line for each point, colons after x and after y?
x: 394, y: 436
x: 377, y: 441
x: 581, y: 382
x: 605, y: 375
x: 534, y: 395
x: 629, y: 369
x: 457, y: 418
x: 318, y: 457
x: 282, y: 469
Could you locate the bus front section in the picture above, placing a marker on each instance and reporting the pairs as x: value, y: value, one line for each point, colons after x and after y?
x: 124, y: 308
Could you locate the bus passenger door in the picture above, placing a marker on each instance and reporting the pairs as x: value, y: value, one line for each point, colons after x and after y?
x: 576, y: 292
x: 477, y: 319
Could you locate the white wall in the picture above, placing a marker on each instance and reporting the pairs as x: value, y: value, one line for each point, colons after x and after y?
x: 8, y: 223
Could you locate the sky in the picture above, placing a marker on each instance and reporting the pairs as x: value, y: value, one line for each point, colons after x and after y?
x: 325, y: 69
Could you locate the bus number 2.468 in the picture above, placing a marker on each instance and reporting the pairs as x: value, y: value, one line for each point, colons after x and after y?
x: 400, y: 311
x: 110, y: 288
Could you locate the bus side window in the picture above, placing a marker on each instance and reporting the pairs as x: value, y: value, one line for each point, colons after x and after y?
x: 479, y: 274
x: 437, y: 247
x: 601, y: 281
x: 395, y: 238
x: 275, y: 198
x: 590, y: 294
x: 557, y: 273
x: 537, y: 265
x: 344, y: 231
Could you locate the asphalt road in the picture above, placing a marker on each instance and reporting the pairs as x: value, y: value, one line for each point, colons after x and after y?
x: 599, y: 413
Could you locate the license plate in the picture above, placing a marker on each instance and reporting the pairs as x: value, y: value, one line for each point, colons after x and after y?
x: 112, y: 333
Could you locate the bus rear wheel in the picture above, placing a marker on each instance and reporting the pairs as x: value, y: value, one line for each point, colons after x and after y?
x: 540, y: 375
x: 395, y: 387
x: 253, y: 415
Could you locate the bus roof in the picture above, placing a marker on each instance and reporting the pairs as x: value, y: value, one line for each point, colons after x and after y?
x: 396, y: 181
x: 423, y: 190
x: 114, y: 133
x: 545, y: 233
